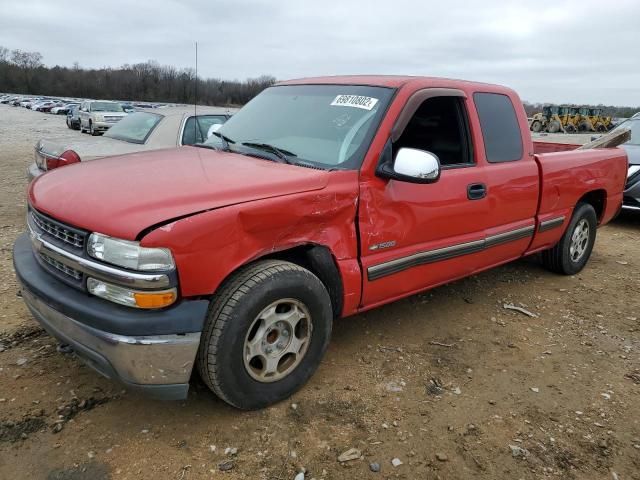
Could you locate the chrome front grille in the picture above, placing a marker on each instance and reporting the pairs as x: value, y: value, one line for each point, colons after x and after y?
x: 58, y: 230
x: 61, y: 267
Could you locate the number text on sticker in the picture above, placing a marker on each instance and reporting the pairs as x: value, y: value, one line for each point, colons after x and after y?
x: 357, y: 101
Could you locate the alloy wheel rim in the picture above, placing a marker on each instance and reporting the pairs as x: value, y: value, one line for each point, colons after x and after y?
x: 579, y: 241
x: 277, y: 340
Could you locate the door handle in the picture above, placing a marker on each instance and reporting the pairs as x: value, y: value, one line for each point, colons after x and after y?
x: 476, y: 191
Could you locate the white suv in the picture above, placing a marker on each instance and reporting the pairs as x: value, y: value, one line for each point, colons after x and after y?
x: 98, y: 115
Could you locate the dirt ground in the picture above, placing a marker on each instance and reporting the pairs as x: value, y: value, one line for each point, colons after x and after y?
x: 449, y: 382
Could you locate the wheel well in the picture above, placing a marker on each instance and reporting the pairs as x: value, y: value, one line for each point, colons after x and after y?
x: 318, y: 260
x: 597, y: 199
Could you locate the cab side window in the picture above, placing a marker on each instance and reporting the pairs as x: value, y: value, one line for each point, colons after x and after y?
x: 500, y: 128
x: 439, y: 126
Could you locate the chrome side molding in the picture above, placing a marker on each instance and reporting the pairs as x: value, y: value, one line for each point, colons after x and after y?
x: 430, y: 256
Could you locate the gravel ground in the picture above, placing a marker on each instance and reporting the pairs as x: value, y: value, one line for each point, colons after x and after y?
x: 448, y: 384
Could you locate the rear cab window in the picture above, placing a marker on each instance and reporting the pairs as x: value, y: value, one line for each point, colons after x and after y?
x: 500, y: 127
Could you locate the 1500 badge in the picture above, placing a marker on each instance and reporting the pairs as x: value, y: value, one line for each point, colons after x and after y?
x: 379, y: 246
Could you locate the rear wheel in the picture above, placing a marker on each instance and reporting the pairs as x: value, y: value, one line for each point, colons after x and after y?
x: 571, y: 253
x: 536, y: 126
x: 266, y: 332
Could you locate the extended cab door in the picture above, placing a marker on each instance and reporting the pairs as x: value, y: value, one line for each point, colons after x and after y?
x: 512, y: 177
x: 414, y: 236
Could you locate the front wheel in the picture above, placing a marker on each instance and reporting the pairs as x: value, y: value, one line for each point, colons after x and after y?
x: 266, y: 332
x: 571, y: 253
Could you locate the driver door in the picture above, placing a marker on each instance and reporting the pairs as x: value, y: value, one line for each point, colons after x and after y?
x: 415, y: 236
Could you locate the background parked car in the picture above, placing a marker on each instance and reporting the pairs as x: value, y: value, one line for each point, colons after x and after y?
x: 64, y: 108
x: 73, y: 117
x: 45, y: 106
x: 631, y: 199
x: 98, y: 115
x: 139, y: 131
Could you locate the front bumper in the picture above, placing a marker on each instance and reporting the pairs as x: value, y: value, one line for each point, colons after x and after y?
x: 103, y: 125
x: 113, y: 339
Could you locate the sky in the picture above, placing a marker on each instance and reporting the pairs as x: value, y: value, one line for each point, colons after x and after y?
x: 560, y: 51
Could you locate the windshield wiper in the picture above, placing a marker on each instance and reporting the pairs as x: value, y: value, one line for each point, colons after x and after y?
x: 281, y: 153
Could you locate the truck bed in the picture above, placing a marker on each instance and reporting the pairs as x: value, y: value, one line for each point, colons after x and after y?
x: 551, y: 147
x: 565, y: 176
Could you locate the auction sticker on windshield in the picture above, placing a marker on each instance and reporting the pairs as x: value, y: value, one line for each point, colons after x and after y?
x: 357, y: 101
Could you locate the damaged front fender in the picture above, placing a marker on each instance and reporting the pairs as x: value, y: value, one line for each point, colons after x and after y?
x: 210, y: 246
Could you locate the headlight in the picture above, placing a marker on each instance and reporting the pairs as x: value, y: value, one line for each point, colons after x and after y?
x: 129, y: 254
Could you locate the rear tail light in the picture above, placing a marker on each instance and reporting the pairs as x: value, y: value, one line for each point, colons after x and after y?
x: 67, y: 158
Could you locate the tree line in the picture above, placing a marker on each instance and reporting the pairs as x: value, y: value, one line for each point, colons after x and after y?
x: 23, y: 72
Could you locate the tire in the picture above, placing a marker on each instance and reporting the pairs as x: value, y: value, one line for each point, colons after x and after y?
x: 554, y: 127
x: 69, y: 124
x: 92, y: 131
x: 564, y: 259
x: 536, y: 126
x: 80, y: 127
x: 236, y: 319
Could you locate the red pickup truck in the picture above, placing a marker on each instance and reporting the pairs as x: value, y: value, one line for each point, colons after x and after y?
x: 320, y: 199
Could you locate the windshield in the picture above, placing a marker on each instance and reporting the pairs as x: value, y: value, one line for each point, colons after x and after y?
x: 134, y: 128
x: 328, y: 126
x: 634, y: 126
x: 106, y: 107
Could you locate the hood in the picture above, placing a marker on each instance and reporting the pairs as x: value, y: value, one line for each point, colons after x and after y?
x: 633, y: 153
x: 88, y: 147
x: 121, y: 196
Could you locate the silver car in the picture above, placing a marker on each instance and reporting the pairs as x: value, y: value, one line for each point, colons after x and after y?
x: 139, y: 131
x: 99, y: 116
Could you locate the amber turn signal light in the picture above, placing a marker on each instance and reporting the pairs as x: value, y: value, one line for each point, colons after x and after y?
x: 154, y: 299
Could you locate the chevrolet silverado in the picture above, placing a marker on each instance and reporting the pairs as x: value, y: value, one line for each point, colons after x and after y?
x: 321, y: 198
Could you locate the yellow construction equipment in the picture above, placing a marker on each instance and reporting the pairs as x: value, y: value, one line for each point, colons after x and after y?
x: 600, y: 122
x: 569, y: 118
x: 547, y: 120
x: 587, y: 122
